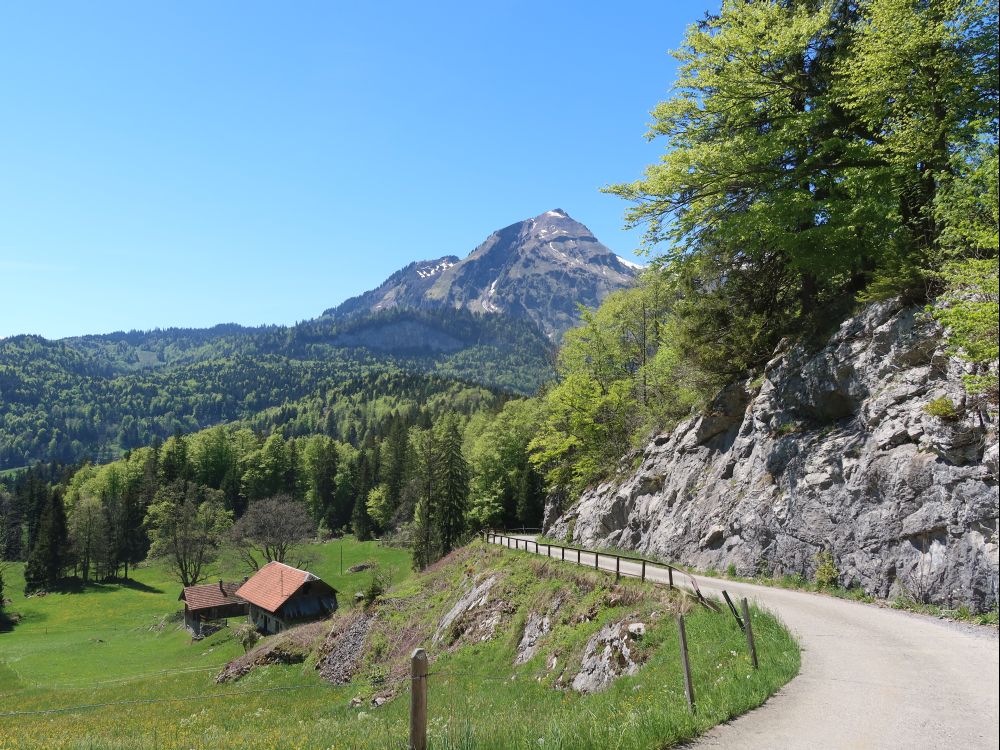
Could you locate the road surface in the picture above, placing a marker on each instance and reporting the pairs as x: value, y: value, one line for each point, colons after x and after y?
x: 870, y: 678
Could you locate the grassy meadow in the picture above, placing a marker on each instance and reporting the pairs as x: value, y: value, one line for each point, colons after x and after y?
x: 116, y: 656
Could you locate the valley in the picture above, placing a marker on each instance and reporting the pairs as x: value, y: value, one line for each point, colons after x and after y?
x: 750, y: 477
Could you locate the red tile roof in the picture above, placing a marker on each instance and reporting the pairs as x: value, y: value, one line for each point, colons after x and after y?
x: 273, y: 585
x: 209, y: 595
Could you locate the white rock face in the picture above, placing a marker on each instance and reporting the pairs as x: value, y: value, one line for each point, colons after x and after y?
x: 608, y: 656
x: 832, y: 451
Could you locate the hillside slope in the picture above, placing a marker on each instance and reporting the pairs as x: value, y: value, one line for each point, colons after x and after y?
x: 526, y: 652
x: 832, y: 450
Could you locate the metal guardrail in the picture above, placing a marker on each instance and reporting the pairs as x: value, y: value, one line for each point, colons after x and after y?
x: 494, y: 536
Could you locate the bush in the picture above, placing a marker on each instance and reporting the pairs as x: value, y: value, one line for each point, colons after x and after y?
x: 247, y: 636
x: 377, y: 585
x: 942, y: 408
x: 826, y: 571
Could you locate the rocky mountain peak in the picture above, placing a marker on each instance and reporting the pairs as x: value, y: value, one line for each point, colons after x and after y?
x: 540, y: 269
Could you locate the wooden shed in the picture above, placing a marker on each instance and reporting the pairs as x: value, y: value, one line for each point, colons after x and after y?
x: 280, y: 596
x: 210, y: 601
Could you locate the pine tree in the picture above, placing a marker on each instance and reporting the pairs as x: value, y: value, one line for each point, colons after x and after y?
x: 452, y: 480
x: 51, y: 549
x: 424, y: 455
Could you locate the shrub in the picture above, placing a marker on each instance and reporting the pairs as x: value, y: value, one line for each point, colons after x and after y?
x: 826, y: 570
x: 377, y: 585
x: 247, y: 636
x: 731, y: 571
x: 942, y: 408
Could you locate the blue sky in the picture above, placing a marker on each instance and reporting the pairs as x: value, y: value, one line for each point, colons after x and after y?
x: 185, y: 164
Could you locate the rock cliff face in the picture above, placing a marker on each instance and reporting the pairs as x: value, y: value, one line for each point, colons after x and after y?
x: 831, y: 451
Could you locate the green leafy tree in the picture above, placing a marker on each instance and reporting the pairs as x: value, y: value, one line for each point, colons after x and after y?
x: 187, y: 524
x: 173, y: 460
x: 377, y: 505
x: 267, y: 470
x: 922, y: 78
x: 969, y: 310
x: 87, y: 533
x: 505, y: 489
x: 808, y: 149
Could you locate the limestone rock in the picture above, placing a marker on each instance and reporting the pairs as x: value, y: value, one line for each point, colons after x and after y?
x: 608, y: 655
x: 834, y: 451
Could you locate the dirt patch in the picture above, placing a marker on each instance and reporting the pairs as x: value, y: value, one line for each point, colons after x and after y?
x: 290, y: 647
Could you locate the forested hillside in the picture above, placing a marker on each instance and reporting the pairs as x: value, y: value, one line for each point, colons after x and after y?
x: 97, y: 396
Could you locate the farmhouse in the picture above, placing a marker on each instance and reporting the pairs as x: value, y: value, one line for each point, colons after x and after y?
x: 210, y: 601
x: 280, y: 596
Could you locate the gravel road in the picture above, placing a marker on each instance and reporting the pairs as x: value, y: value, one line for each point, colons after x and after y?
x: 871, y: 677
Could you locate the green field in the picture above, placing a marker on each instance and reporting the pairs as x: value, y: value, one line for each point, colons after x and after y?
x: 134, y: 680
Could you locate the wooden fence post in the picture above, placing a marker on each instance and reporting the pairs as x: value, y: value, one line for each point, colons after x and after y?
x: 688, y: 687
x: 563, y: 552
x: 670, y: 576
x: 643, y: 570
x: 618, y: 568
x: 732, y: 608
x: 597, y: 561
x: 418, y: 700
x: 578, y: 556
x: 748, y: 629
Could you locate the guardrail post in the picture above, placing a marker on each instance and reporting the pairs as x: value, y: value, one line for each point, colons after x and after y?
x: 578, y: 556
x: 618, y: 568
x: 643, y: 570
x: 562, y: 552
x: 670, y: 576
x: 732, y: 608
x: 597, y: 560
x: 748, y: 629
x: 688, y: 687
x: 418, y: 700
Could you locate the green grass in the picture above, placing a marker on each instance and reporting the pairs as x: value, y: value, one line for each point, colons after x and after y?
x: 96, y: 647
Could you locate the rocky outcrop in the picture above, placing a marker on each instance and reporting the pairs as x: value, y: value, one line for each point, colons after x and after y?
x: 609, y: 655
x: 832, y: 450
x: 341, y: 652
x: 536, y: 628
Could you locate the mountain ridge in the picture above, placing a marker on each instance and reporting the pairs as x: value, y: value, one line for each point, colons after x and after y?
x: 540, y: 269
